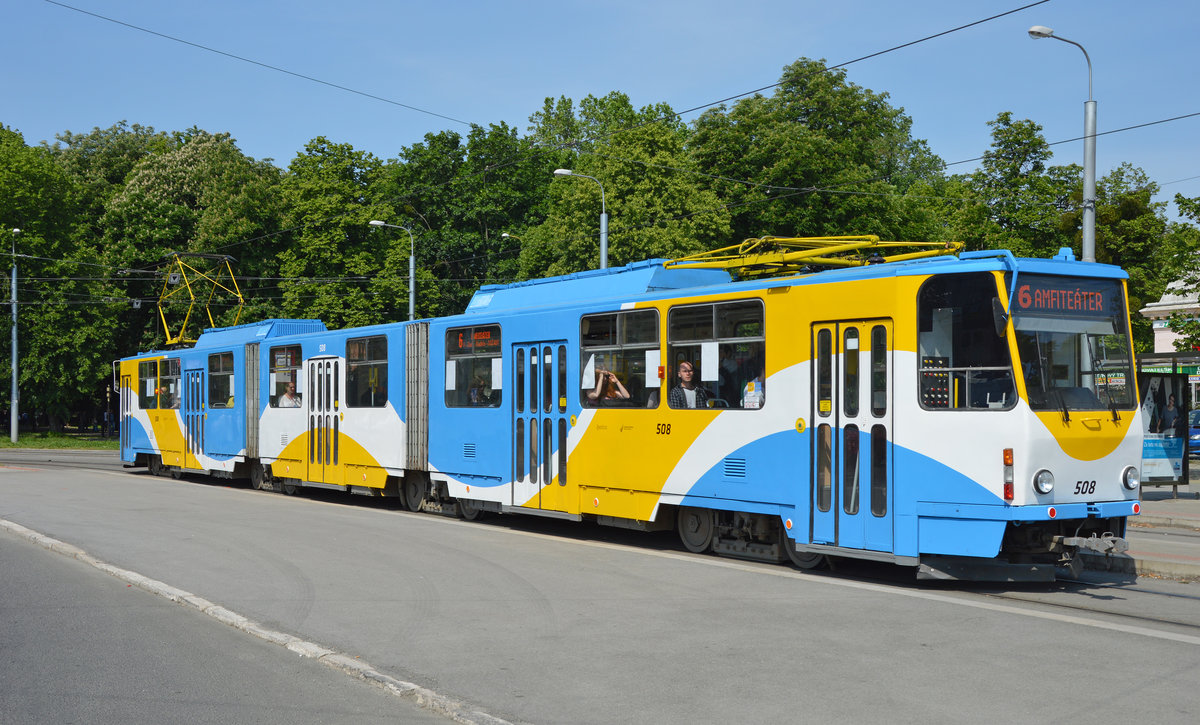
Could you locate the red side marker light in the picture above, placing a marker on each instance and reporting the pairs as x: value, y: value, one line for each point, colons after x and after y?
x: 1137, y: 508
x: 1008, y: 491
x: 1052, y: 512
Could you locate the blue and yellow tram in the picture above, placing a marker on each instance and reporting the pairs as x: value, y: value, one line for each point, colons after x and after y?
x: 972, y: 416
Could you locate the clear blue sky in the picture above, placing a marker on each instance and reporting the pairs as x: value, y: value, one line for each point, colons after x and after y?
x: 484, y: 62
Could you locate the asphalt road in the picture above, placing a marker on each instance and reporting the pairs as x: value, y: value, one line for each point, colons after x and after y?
x: 80, y: 646
x: 539, y: 621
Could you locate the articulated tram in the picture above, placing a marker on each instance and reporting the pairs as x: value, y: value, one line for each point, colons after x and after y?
x: 971, y: 416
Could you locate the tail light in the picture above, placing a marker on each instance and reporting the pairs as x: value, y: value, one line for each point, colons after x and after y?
x: 1008, y: 474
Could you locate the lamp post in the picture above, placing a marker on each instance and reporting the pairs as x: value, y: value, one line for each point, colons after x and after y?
x: 13, y: 401
x: 603, y: 214
x: 1089, y: 149
x: 412, y: 264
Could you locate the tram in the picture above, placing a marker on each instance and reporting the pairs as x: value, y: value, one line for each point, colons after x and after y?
x: 969, y: 415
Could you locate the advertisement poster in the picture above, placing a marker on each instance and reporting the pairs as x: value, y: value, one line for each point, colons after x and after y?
x: 1165, y: 425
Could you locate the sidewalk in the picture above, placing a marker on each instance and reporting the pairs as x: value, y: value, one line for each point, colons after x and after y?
x: 1164, y: 540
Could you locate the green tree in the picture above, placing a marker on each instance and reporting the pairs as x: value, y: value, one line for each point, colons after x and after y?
x: 201, y: 195
x: 821, y: 156
x: 658, y: 205
x: 331, y: 255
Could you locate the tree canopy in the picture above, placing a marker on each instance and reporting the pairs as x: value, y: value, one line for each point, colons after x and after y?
x: 817, y: 155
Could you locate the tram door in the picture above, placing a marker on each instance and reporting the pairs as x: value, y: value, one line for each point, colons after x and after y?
x: 324, y: 424
x: 540, y: 425
x: 126, y: 400
x: 852, y: 401
x: 194, y: 406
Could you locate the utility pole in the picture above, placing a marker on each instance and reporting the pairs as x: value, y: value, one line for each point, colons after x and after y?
x: 15, y: 393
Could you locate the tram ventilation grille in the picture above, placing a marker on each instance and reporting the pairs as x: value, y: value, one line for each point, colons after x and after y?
x: 468, y: 450
x: 735, y: 467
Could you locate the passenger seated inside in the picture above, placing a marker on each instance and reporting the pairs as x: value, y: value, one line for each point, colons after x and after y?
x: 687, y: 394
x: 608, y: 390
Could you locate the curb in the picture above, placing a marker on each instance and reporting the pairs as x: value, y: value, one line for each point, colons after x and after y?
x: 1125, y: 564
x: 1165, y: 521
x: 347, y: 664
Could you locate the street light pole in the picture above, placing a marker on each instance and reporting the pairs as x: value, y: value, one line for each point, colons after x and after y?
x: 412, y: 265
x: 14, y: 400
x: 603, y: 214
x: 1089, y: 149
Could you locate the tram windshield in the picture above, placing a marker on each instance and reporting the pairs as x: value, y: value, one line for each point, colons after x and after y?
x: 1073, y: 339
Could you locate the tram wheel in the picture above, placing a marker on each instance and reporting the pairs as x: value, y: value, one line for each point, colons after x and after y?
x: 288, y: 486
x: 156, y: 466
x: 469, y: 510
x: 695, y: 529
x: 806, y: 560
x: 258, y: 477
x: 414, y: 492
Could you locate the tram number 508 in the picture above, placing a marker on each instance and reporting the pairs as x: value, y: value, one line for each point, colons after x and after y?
x: 664, y: 429
x: 1085, y: 487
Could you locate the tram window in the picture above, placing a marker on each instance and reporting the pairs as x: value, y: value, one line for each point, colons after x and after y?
x: 474, y: 372
x: 824, y: 466
x: 533, y: 380
x: 962, y: 362
x: 148, y: 385
x: 725, y: 343
x: 366, y: 372
x: 520, y: 438
x: 850, y: 371
x: 879, y: 470
x: 168, y: 383
x: 533, y: 449
x: 850, y: 479
x: 520, y: 391
x: 1073, y: 343
x: 562, y: 451
x: 618, y: 360
x: 285, y: 376
x: 220, y: 380
x: 824, y: 373
x: 879, y: 371
x: 562, y: 378
x: 547, y: 379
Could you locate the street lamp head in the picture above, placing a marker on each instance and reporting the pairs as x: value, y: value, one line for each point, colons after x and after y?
x: 377, y: 223
x: 16, y: 231
x: 1041, y: 31
x: 563, y: 172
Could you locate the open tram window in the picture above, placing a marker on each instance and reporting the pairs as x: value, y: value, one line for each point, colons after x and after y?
x: 168, y: 383
x: 619, y: 360
x: 147, y: 385
x: 220, y: 380
x: 1073, y: 341
x: 473, y: 367
x: 725, y: 345
x: 285, y: 377
x: 962, y: 362
x: 366, y: 372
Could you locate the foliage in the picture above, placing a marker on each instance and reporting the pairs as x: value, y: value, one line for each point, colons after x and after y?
x: 818, y: 155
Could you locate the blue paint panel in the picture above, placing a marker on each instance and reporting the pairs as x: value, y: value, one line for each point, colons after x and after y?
x: 961, y: 537
x: 776, y: 475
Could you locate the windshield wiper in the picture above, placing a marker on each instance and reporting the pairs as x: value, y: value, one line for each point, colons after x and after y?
x: 1112, y: 405
x: 1062, y: 401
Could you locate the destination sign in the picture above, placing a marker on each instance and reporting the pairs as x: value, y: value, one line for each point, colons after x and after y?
x: 1067, y: 296
x: 473, y: 340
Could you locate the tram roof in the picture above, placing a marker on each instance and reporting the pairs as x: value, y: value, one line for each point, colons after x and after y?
x: 649, y: 277
x: 633, y: 279
x: 241, y: 334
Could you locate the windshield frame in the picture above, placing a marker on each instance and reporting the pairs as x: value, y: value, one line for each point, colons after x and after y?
x: 1072, y: 343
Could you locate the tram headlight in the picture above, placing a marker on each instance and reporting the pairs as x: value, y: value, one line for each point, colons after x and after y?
x: 1043, y: 481
x: 1131, y: 478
